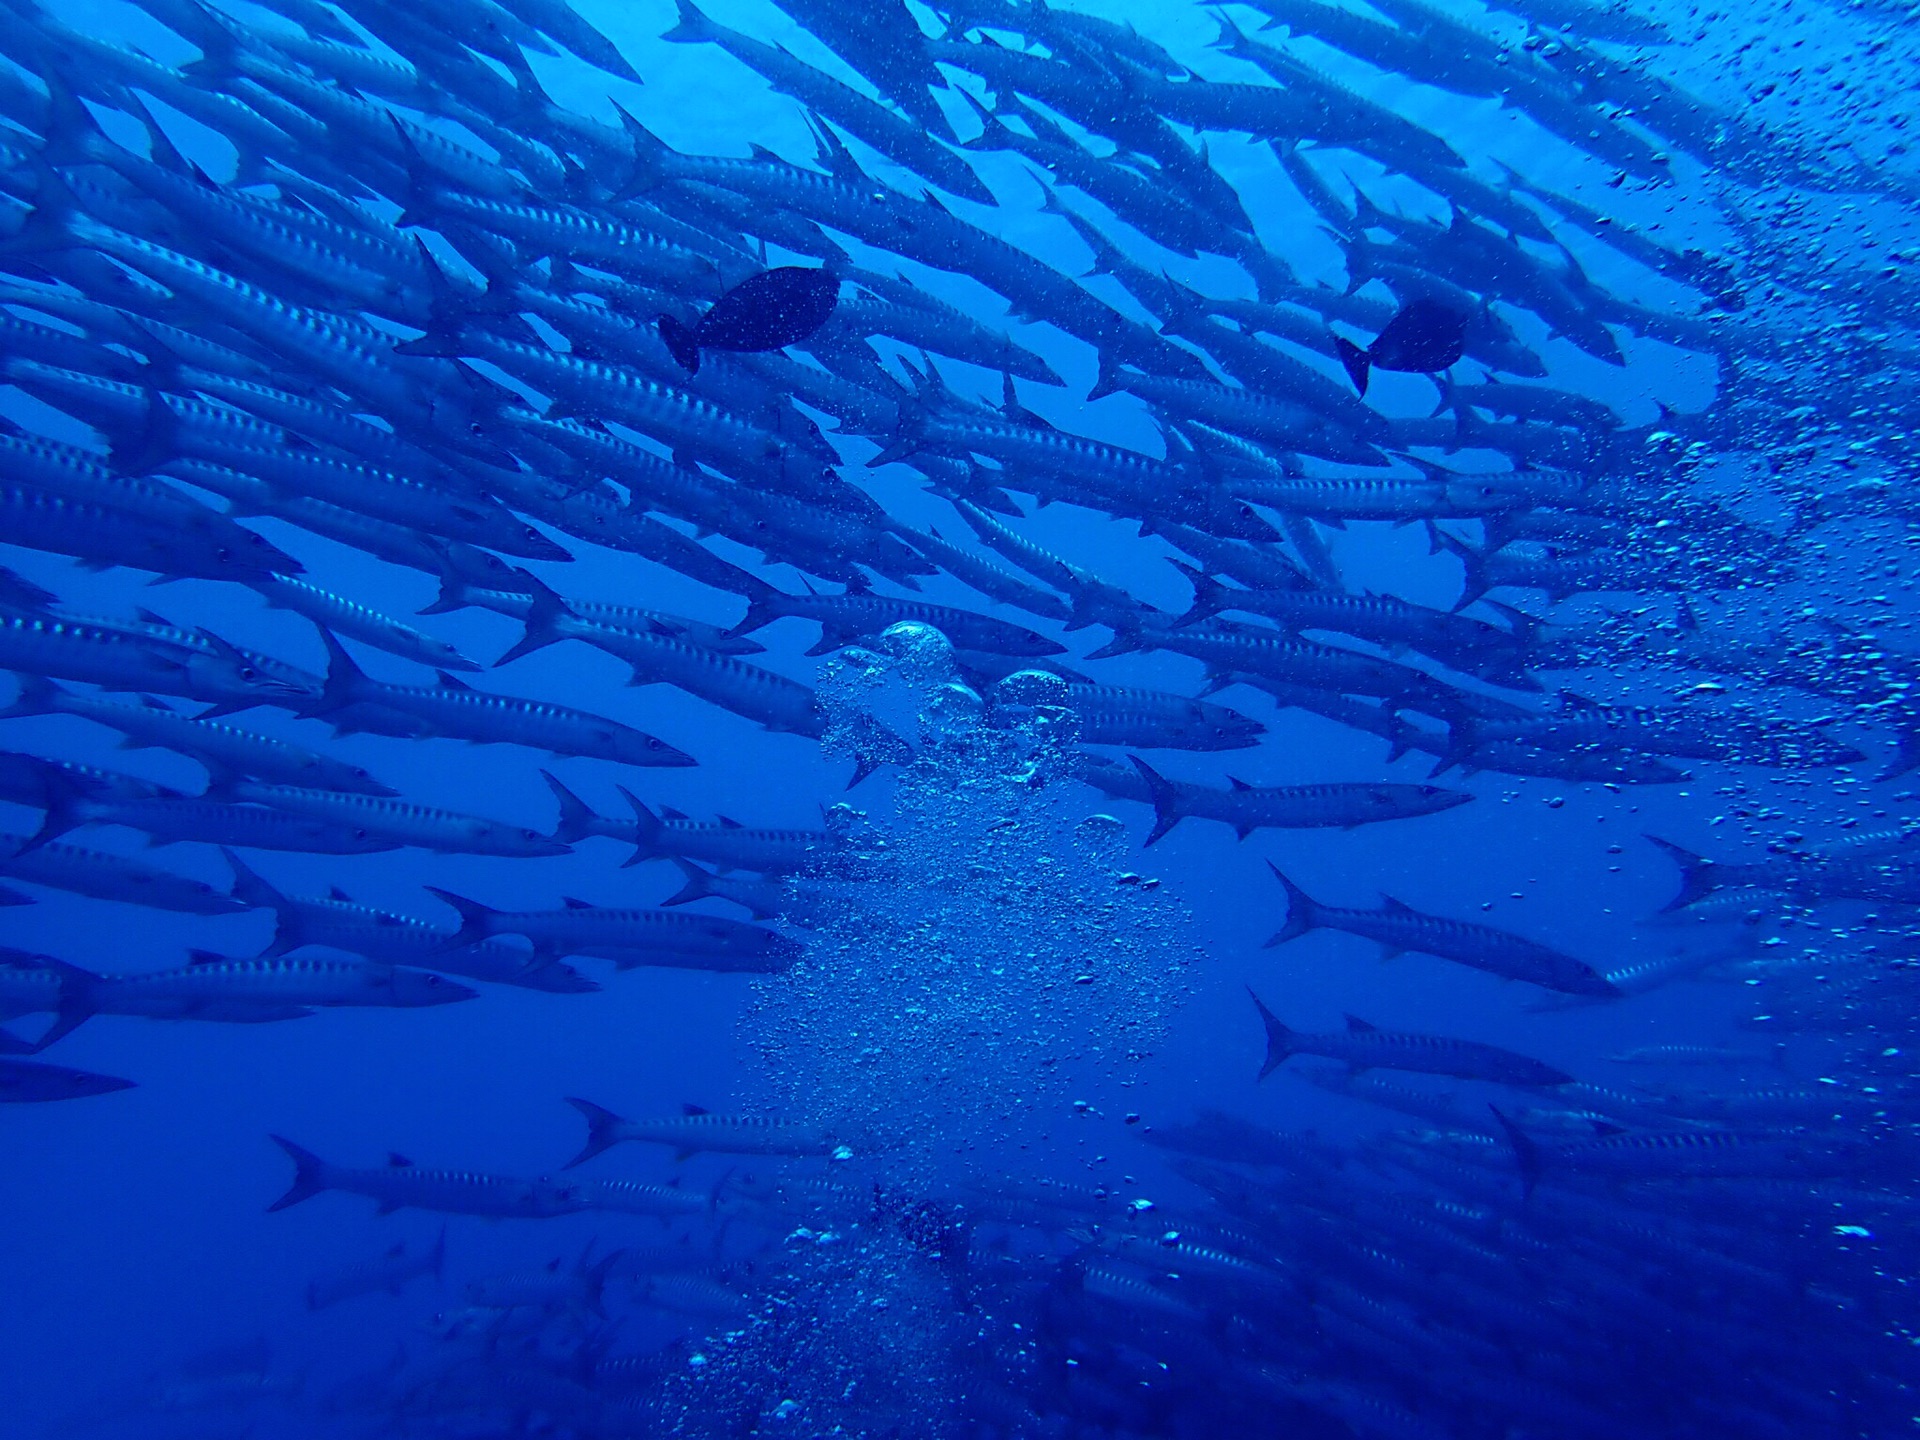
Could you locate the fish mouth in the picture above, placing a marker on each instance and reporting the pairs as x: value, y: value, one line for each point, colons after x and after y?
x: 288, y: 689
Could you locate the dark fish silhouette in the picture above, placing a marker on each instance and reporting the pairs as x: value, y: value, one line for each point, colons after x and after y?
x: 771, y: 310
x: 1424, y: 337
x: 29, y: 1081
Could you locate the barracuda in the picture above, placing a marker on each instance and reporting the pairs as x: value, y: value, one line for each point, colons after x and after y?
x: 696, y: 1130
x: 900, y: 140
x: 1363, y: 1047
x: 381, y: 494
x: 172, y: 819
x: 847, y: 617
x: 402, y: 1185
x: 397, y: 821
x: 222, y: 749
x: 218, y: 988
x: 349, y: 353
x: 99, y: 875
x: 670, y: 835
x: 582, y: 929
x: 1298, y: 662
x: 106, y: 535
x: 352, y: 699
x: 550, y: 232
x: 117, y: 659
x: 342, y: 616
x: 1398, y: 928
x: 982, y: 574
x: 336, y: 923
x: 609, y: 392
x: 1451, y: 638
x: 397, y: 544
x: 456, y: 594
x: 1248, y: 808
x: 389, y: 1274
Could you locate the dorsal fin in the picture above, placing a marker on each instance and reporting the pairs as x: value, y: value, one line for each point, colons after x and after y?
x: 334, y: 892
x: 729, y: 823
x: 689, y: 1108
x: 1604, y: 1128
x: 1237, y: 783
x: 1398, y: 907
x: 667, y: 812
x: 205, y: 957
x: 397, y: 1161
x: 1578, y: 702
x: 1357, y: 1026
x: 574, y: 902
x: 450, y: 681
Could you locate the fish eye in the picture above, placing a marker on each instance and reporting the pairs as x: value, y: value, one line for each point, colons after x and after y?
x: 531, y: 835
x: 359, y: 833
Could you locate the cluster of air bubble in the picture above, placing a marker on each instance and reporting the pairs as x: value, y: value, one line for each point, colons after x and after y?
x: 859, y: 1334
x: 990, y: 959
x: 981, y: 961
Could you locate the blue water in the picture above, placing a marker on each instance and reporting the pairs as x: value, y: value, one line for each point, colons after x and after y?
x: 136, y: 1255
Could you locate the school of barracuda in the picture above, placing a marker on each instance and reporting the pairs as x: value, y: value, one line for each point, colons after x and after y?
x: 416, y: 317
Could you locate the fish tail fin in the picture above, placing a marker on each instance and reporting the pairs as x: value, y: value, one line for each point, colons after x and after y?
x: 647, y: 842
x: 542, y: 624
x: 77, y: 1002
x: 578, y: 820
x: 249, y: 886
x: 1208, y: 596
x: 310, y: 1175
x: 220, y: 52
x: 1697, y: 880
x: 1400, y: 737
x: 1526, y: 1151
x: 1302, y: 913
x: 1279, y: 1037
x: 909, y: 431
x: 52, y: 224
x: 456, y: 593
x: 476, y: 920
x: 690, y: 26
x: 1358, y: 366
x: 1473, y: 565
x: 760, y: 598
x: 680, y: 343
x: 1165, y: 799
x: 603, y: 1128
x: 73, y: 136
x: 62, y: 802
x: 345, y: 680
x: 649, y: 156
x: 698, y: 887
x: 595, y: 1281
x: 37, y: 695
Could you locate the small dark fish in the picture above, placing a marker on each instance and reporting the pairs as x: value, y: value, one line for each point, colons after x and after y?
x: 770, y: 311
x: 31, y: 1082
x: 1423, y: 338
